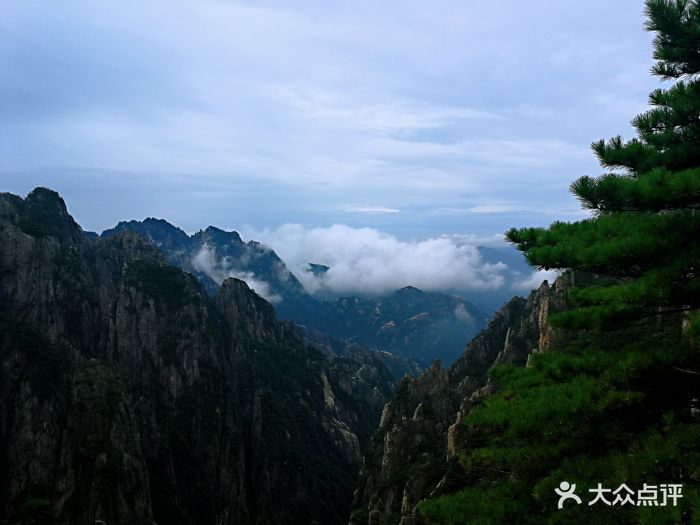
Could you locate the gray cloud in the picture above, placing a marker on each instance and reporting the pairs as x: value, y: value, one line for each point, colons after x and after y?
x: 331, y: 108
x: 462, y: 314
x: 221, y: 268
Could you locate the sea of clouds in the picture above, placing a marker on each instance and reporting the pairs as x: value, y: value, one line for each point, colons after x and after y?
x: 366, y: 261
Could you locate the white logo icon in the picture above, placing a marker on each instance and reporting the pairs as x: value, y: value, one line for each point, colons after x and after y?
x: 566, y: 491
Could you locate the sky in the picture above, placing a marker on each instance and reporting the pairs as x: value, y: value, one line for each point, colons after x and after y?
x: 361, y: 134
x: 415, y: 118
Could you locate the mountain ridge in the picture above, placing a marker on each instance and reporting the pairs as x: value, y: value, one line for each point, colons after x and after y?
x: 212, y: 254
x: 129, y: 395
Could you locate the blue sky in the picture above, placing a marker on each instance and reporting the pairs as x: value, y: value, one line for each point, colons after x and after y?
x: 413, y: 118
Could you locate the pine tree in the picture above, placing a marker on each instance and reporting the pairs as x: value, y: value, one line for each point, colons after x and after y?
x: 644, y: 232
x: 618, y: 404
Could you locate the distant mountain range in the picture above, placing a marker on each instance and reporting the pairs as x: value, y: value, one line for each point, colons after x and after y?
x: 410, y: 323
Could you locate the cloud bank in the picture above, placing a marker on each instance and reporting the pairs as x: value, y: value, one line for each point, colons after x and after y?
x: 367, y: 261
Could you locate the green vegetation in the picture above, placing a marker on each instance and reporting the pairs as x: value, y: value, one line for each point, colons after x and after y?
x: 162, y: 282
x: 607, y: 416
x: 620, y: 405
x: 285, y: 387
x: 42, y: 215
x: 42, y: 362
x: 32, y: 511
x: 645, y: 228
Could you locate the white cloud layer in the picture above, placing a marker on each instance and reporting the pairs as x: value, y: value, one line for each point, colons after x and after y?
x: 534, y: 280
x: 371, y: 209
x: 219, y: 269
x: 367, y: 261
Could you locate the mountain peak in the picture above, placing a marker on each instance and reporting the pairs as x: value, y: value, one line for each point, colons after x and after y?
x: 160, y: 222
x: 46, y: 196
x: 43, y: 213
x: 223, y: 235
x: 160, y: 231
x: 317, y: 269
x: 409, y: 290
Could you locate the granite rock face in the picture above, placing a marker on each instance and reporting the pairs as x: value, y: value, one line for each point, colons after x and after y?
x: 130, y: 396
x: 412, y: 454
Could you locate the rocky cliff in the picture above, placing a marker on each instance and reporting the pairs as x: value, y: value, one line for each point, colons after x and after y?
x: 130, y: 396
x: 413, y: 452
